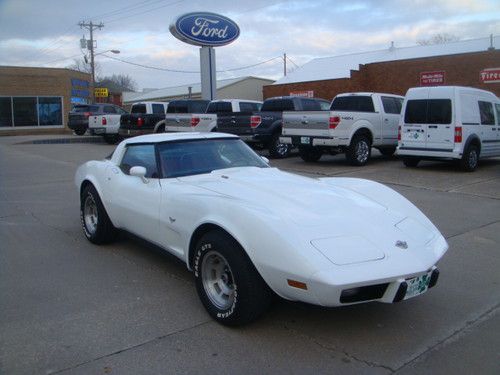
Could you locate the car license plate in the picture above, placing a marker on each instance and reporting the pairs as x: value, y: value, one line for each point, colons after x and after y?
x: 305, y: 140
x: 100, y: 131
x: 417, y: 285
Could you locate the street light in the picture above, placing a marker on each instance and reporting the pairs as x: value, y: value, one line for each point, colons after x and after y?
x: 92, y: 66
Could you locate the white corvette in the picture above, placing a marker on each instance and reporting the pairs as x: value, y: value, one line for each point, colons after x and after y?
x: 248, y: 230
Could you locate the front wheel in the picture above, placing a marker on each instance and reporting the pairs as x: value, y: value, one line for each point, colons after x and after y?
x: 96, y: 224
x: 277, y: 149
x: 229, y: 286
x: 310, y: 154
x: 470, y: 159
x: 359, y: 151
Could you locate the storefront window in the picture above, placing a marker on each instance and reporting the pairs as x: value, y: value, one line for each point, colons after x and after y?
x: 5, y: 111
x: 50, y: 111
x: 25, y: 113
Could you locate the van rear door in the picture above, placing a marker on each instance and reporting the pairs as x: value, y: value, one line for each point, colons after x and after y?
x: 440, y: 128
x: 414, y: 129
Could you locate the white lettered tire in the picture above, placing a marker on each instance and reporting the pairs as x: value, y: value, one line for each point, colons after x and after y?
x: 229, y: 286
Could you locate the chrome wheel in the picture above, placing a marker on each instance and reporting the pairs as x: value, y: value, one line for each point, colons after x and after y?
x: 90, y: 215
x: 282, y: 148
x: 362, y: 152
x: 217, y: 279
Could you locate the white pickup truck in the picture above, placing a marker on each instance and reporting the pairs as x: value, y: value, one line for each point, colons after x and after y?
x: 107, y: 125
x: 223, y: 112
x: 355, y: 123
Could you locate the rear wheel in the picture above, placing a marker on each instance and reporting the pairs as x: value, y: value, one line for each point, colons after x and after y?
x: 80, y: 131
x: 387, y: 151
x: 411, y: 162
x: 359, y: 151
x: 470, y: 158
x: 310, y: 154
x: 229, y: 286
x: 96, y: 224
x: 277, y: 149
x: 111, y: 139
x: 160, y: 129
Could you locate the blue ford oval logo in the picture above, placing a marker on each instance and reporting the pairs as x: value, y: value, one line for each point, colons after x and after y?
x: 205, y: 29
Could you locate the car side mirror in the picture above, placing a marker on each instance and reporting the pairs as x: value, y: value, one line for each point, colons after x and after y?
x: 140, y: 172
x: 265, y: 159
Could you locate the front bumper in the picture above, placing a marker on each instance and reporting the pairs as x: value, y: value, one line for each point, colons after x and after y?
x: 313, y: 141
x: 389, y: 290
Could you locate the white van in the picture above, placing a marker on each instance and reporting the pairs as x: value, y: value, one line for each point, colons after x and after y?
x: 449, y: 122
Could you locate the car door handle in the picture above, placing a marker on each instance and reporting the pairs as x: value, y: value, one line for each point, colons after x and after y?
x: 386, y: 120
x: 233, y: 121
x: 433, y: 126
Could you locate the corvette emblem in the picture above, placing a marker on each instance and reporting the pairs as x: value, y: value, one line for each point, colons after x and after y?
x: 402, y: 245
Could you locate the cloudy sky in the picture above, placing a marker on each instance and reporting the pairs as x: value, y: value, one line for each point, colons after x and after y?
x: 46, y: 33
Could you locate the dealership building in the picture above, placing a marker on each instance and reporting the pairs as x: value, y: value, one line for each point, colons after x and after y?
x: 37, y: 100
x: 474, y: 63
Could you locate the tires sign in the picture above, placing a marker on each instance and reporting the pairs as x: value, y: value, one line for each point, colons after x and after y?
x: 432, y: 78
x: 490, y: 75
x: 205, y: 29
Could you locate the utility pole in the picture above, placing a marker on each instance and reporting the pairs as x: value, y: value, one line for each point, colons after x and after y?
x: 284, y: 64
x: 90, y: 46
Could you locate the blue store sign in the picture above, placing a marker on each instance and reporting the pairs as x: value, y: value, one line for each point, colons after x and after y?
x: 205, y: 29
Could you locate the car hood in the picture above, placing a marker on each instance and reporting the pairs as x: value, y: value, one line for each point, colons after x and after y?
x: 321, y: 216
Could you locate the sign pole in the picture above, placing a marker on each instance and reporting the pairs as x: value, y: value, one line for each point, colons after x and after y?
x: 208, y: 76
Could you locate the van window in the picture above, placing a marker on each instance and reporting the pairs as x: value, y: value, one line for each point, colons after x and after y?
x: 432, y: 111
x: 355, y: 103
x: 486, y: 113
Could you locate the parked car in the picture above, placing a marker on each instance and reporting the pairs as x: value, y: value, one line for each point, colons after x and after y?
x: 355, y: 123
x: 224, y: 110
x: 265, y: 125
x: 248, y: 230
x: 107, y: 125
x: 78, y: 117
x: 449, y: 122
x: 144, y: 118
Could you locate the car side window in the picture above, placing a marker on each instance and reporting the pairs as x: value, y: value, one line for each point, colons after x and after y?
x: 497, y: 106
x: 109, y: 109
x: 140, y: 156
x: 225, y: 107
x: 486, y: 113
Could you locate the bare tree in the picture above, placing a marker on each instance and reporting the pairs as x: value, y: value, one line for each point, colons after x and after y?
x: 438, y: 39
x: 122, y: 80
x: 83, y: 66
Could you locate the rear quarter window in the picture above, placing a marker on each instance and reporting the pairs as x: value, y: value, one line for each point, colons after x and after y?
x: 486, y: 113
x: 391, y: 105
x: 353, y: 103
x: 138, y: 108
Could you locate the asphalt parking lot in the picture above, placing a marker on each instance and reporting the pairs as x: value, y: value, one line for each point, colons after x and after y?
x: 70, y: 307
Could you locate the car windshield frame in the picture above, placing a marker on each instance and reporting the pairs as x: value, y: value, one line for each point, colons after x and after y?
x: 190, y: 157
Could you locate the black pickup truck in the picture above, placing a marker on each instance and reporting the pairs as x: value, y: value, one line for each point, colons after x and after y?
x: 265, y: 126
x: 144, y: 118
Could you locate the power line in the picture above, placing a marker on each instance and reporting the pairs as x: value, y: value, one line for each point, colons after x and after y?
x: 188, y: 71
x: 289, y: 59
x: 145, y: 11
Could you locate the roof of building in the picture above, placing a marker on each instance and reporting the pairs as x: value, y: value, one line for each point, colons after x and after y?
x: 340, y: 66
x: 183, y: 89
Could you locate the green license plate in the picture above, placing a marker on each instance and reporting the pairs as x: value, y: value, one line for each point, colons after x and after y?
x: 305, y: 140
x: 417, y: 285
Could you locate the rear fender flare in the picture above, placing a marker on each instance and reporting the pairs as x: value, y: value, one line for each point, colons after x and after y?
x: 472, y: 138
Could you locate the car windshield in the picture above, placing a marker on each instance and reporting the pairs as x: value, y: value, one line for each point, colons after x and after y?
x: 190, y: 157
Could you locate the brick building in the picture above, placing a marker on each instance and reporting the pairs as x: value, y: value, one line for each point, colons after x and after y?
x: 37, y: 100
x: 468, y: 63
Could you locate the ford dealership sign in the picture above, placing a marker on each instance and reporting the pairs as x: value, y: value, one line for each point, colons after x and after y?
x: 205, y: 29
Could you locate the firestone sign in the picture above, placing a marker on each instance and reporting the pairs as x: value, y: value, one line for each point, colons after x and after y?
x: 491, y: 75
x: 205, y: 29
